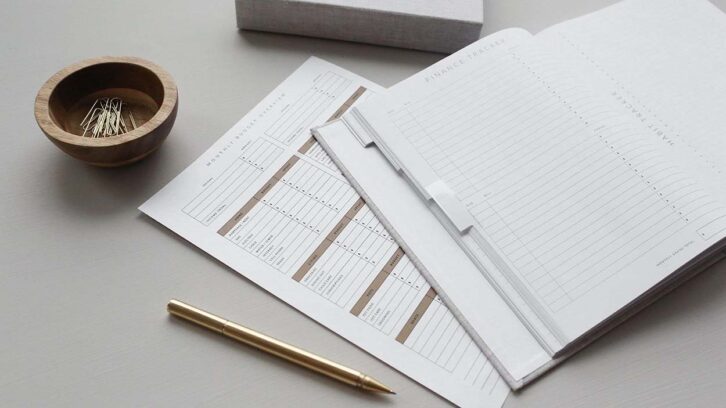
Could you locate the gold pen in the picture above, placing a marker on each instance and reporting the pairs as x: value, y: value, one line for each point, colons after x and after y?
x: 276, y: 347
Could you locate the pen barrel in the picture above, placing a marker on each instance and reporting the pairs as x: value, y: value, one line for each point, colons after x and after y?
x: 198, y: 316
x: 294, y: 354
x: 270, y: 345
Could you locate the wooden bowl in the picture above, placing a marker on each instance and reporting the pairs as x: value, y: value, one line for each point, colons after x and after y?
x: 146, y: 89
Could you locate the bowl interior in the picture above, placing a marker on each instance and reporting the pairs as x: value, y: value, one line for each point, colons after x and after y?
x: 141, y: 91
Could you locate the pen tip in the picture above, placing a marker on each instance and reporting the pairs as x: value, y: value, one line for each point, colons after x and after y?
x: 372, y: 384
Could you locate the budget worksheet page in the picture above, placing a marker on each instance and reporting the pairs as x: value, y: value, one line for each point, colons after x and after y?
x: 267, y: 201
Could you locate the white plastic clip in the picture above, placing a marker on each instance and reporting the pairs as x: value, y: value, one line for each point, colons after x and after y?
x: 454, y: 210
x: 356, y: 123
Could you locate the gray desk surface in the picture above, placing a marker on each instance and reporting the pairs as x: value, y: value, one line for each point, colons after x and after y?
x: 84, y: 277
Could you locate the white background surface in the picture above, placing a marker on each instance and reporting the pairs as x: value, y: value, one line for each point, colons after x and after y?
x: 84, y: 277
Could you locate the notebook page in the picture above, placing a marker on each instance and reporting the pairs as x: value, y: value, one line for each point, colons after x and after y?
x: 266, y: 200
x: 582, y: 213
x: 664, y: 60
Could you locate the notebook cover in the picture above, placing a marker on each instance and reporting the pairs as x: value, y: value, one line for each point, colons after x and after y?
x: 431, y: 25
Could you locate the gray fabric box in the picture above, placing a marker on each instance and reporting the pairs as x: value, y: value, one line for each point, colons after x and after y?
x: 430, y: 25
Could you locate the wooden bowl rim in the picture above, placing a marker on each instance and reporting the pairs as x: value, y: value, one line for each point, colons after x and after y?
x: 48, y: 125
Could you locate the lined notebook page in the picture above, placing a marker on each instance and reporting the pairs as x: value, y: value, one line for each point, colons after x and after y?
x: 582, y: 212
x: 670, y: 79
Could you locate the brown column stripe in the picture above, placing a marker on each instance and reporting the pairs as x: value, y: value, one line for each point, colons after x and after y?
x: 307, y: 145
x: 416, y: 316
x: 348, y: 103
x: 320, y: 250
x: 239, y: 215
x: 377, y: 282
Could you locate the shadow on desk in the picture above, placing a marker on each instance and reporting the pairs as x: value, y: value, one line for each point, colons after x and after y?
x: 96, y: 191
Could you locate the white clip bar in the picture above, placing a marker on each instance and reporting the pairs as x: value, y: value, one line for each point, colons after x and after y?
x: 454, y: 210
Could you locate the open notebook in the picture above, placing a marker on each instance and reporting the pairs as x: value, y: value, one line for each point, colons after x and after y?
x: 552, y: 185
